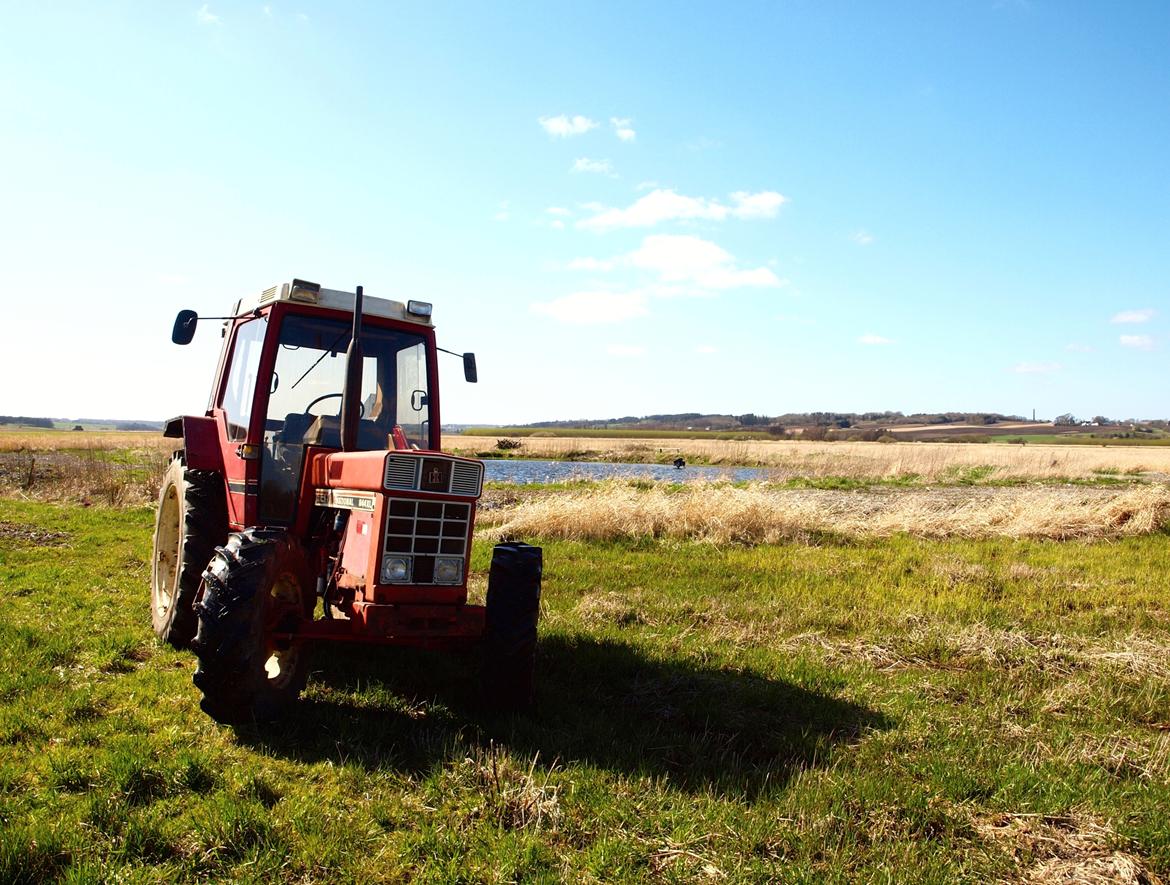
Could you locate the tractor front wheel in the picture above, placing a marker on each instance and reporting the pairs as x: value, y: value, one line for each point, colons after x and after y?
x: 191, y: 521
x: 258, y: 585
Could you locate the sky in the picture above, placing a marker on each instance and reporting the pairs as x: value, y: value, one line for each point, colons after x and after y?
x: 622, y: 208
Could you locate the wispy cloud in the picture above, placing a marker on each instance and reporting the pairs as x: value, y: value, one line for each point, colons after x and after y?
x: 502, y: 213
x: 1137, y: 342
x: 686, y: 265
x: 622, y: 128
x: 692, y: 260
x: 594, y: 307
x: 626, y: 350
x: 1036, y: 368
x: 1078, y: 348
x: 1134, y: 316
x: 666, y: 205
x: 559, y: 210
x: 564, y: 126
x: 600, y: 167
x: 871, y: 340
x: 205, y: 16
x: 706, y: 349
x: 863, y: 238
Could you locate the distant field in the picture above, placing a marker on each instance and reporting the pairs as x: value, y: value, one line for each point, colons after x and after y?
x: 574, y: 433
x: 1080, y: 439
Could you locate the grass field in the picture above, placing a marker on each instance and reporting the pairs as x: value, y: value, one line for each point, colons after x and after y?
x: 879, y: 679
x: 863, y: 710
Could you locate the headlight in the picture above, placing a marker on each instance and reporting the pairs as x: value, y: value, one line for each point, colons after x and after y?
x: 396, y: 570
x: 448, y: 571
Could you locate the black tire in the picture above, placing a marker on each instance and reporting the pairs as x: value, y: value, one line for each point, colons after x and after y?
x: 258, y: 582
x: 190, y: 523
x: 509, y: 642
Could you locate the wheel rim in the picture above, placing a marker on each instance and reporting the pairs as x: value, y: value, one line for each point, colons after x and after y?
x: 166, y: 553
x: 281, y: 663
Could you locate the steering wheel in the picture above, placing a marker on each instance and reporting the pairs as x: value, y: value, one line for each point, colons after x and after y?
x: 325, y: 396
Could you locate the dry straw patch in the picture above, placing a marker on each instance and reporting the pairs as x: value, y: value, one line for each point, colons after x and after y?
x: 1075, y: 848
x: 761, y: 515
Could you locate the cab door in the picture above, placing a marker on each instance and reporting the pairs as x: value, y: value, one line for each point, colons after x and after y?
x: 240, y: 427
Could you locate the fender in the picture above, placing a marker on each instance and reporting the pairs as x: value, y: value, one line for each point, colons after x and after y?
x: 201, y: 447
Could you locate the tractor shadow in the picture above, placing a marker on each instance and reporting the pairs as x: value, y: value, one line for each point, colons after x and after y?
x: 599, y: 702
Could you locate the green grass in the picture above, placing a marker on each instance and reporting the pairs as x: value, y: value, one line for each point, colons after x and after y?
x: 849, y: 711
x: 1080, y: 439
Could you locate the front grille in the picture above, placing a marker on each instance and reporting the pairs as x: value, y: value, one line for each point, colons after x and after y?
x: 446, y: 476
x: 401, y: 472
x: 466, y: 479
x: 424, y: 530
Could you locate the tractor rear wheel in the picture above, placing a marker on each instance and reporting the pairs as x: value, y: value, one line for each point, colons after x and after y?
x: 509, y: 642
x: 258, y: 584
x: 191, y: 521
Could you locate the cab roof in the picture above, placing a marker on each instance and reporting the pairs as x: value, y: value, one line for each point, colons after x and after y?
x: 303, y: 292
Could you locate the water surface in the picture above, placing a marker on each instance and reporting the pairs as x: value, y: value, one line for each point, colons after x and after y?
x: 525, y: 471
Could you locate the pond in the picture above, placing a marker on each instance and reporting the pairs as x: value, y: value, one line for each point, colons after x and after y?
x: 523, y: 471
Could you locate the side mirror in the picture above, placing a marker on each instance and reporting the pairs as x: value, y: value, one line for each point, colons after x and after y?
x: 418, y: 399
x: 184, y: 329
x: 469, y: 372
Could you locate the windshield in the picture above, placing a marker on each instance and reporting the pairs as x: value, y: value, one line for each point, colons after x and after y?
x: 304, y: 406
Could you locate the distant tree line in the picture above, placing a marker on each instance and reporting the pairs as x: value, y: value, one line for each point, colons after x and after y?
x: 27, y: 421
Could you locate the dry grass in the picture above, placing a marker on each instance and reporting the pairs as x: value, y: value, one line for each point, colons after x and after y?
x: 1064, y: 849
x: 930, y: 461
x: 760, y: 515
x: 93, y: 440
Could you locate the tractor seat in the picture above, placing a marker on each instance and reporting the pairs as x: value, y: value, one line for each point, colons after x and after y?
x: 326, y: 431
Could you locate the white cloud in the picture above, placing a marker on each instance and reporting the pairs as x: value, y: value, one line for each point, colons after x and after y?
x: 1078, y: 348
x: 684, y: 265
x: 666, y: 205
x: 692, y: 260
x: 594, y: 307
x: 646, y: 185
x: 626, y: 350
x: 765, y: 204
x: 564, y: 126
x: 557, y: 224
x: 1036, y: 368
x: 301, y: 17
x: 706, y: 349
x: 1134, y: 316
x: 206, y: 17
x: 863, y: 238
x: 591, y: 264
x: 267, y: 10
x: 1137, y: 342
x: 558, y: 210
x: 622, y: 128
x: 601, y: 167
x: 874, y: 340
x: 502, y: 213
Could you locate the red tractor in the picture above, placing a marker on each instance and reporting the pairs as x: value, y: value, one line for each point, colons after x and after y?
x: 311, y: 504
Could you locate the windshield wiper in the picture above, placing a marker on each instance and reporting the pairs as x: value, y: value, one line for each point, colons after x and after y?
x: 331, y: 349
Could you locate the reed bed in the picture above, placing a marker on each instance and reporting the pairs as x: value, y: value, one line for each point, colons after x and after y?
x: 760, y: 515
x: 90, y: 440
x: 930, y: 462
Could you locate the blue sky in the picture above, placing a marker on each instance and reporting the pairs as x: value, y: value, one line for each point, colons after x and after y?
x: 622, y: 208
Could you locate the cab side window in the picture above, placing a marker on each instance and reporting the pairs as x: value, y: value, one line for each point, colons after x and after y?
x: 241, y: 382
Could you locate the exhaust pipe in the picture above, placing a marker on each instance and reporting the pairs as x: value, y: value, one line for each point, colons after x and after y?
x: 351, y: 394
